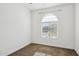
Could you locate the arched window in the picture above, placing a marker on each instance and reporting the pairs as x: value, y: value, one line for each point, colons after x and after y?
x: 49, y: 18
x: 49, y: 26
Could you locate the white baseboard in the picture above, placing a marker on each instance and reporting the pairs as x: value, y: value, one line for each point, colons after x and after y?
x: 53, y: 45
x: 16, y: 49
x: 77, y: 51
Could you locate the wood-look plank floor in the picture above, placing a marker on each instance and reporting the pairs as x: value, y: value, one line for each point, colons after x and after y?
x: 31, y: 49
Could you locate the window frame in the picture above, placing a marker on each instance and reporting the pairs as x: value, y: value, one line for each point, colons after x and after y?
x: 52, y: 22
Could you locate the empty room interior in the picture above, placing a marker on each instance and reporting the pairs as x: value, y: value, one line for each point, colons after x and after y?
x: 39, y: 29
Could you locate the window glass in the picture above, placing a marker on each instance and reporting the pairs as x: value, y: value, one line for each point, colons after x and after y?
x: 49, y: 26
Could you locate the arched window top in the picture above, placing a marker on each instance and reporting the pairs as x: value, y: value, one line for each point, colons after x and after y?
x: 49, y: 18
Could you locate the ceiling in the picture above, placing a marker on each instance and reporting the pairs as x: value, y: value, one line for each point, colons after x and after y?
x: 34, y: 6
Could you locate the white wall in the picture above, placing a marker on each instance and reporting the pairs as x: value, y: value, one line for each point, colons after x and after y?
x: 77, y: 28
x: 65, y: 27
x: 15, y: 27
